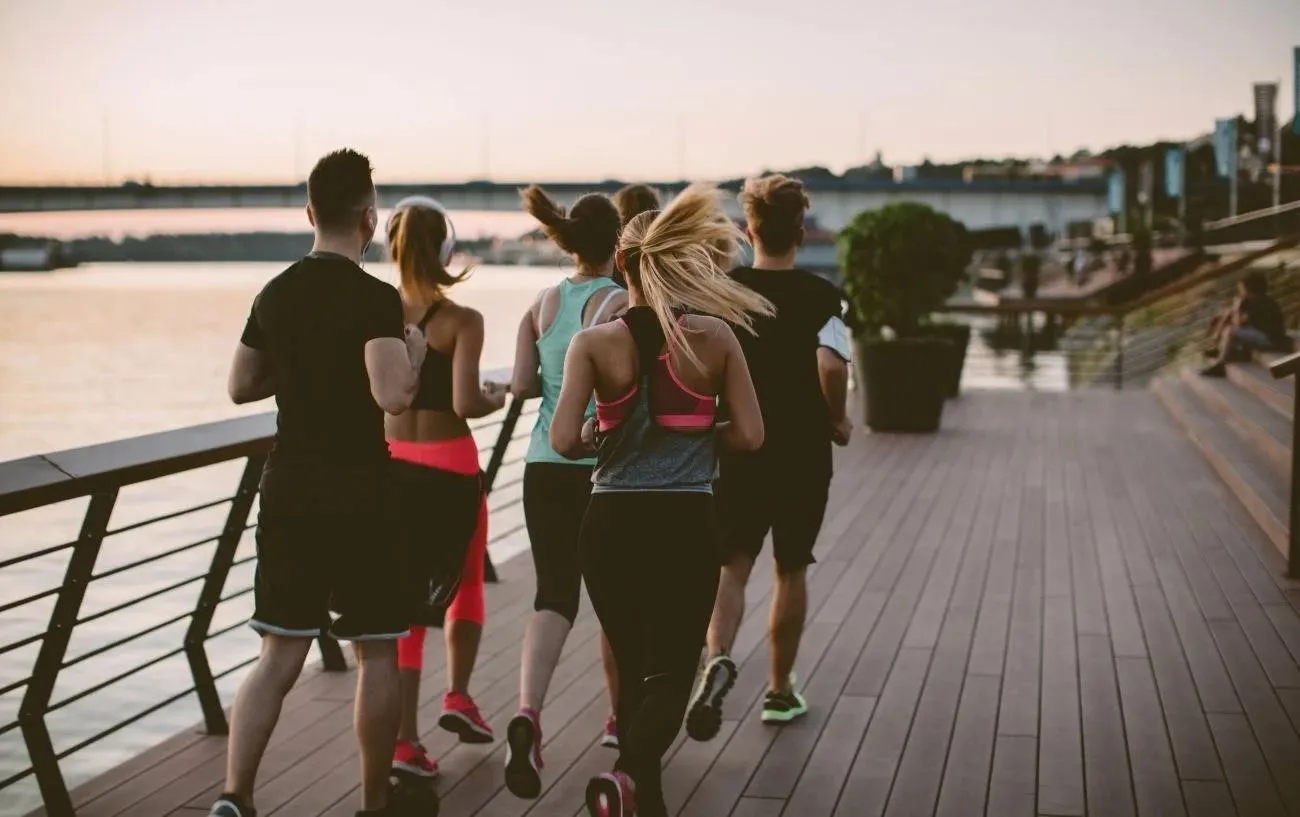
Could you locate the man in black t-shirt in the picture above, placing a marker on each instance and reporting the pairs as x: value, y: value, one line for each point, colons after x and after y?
x: 327, y: 340
x: 1256, y: 323
x: 798, y: 361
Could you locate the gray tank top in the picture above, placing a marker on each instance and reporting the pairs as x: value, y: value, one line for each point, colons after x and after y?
x: 641, y: 455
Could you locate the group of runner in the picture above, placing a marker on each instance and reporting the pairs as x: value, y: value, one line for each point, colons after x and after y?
x: 665, y: 377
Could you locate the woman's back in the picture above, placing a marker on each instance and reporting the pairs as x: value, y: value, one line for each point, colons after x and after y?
x: 576, y: 304
x: 656, y: 404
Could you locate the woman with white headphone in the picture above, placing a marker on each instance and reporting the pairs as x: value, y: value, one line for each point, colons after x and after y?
x: 443, y: 512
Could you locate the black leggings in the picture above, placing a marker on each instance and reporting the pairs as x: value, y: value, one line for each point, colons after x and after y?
x: 650, y: 560
x: 555, y: 499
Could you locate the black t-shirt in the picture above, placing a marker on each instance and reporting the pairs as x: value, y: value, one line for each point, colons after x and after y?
x: 782, y: 360
x: 313, y: 321
x: 1262, y: 312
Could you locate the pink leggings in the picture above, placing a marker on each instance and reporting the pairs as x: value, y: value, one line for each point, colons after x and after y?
x: 459, y: 456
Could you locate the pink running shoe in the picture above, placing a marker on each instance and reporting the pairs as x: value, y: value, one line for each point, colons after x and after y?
x: 611, y: 795
x: 524, y: 755
x: 412, y: 758
x: 461, y: 716
x: 609, y: 737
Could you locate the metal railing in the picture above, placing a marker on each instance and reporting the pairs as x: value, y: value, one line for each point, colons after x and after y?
x: 98, y: 473
x: 1289, y: 366
x: 1128, y: 344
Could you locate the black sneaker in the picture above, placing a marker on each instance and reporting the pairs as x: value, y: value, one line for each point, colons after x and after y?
x: 408, y: 796
x: 1217, y: 370
x: 704, y: 718
x: 228, y: 805
x: 781, y: 707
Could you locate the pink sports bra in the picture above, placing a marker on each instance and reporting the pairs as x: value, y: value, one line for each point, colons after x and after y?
x: 672, y: 404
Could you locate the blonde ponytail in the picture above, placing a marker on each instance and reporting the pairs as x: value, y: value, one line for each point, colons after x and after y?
x: 682, y: 258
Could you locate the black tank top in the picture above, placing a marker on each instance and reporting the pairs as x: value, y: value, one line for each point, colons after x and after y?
x: 435, y: 374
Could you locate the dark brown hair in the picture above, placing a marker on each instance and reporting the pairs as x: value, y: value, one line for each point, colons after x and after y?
x: 635, y: 199
x: 339, y: 189
x: 774, y: 208
x: 589, y: 231
x: 415, y: 238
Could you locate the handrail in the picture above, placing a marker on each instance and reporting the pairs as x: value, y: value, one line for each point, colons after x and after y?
x: 98, y: 473
x: 1087, y: 306
x: 1289, y: 366
x: 1242, y: 218
x: 1285, y: 367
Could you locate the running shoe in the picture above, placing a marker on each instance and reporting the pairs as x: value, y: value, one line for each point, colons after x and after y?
x: 228, y: 805
x: 783, y: 707
x: 610, y: 795
x: 704, y: 718
x: 524, y: 755
x: 412, y: 758
x: 609, y: 737
x: 461, y: 716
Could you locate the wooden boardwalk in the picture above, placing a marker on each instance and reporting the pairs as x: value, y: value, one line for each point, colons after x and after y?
x: 1051, y: 608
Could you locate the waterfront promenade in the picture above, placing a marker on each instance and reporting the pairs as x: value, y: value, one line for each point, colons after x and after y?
x: 1052, y: 607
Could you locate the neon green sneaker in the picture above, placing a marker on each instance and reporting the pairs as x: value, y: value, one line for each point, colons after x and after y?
x: 781, y: 707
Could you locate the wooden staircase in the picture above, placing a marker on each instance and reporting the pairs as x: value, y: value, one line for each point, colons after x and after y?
x: 1243, y: 427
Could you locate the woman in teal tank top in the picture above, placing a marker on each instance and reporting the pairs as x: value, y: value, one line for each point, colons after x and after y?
x: 556, y: 490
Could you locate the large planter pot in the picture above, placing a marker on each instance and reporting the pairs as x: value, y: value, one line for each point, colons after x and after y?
x: 904, y: 383
x: 958, y: 334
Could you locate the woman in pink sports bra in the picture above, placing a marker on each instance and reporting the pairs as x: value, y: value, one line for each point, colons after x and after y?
x: 649, y: 542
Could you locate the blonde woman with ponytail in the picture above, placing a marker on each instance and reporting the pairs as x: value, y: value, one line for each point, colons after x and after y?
x: 649, y: 542
x: 443, y: 512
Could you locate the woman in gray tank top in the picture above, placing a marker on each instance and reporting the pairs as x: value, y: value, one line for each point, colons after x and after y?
x: 649, y: 541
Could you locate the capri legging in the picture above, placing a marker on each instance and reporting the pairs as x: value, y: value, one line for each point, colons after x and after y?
x: 459, y: 456
x: 555, y: 500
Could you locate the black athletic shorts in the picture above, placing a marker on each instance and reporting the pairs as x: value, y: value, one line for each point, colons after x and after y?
x: 785, y: 495
x: 327, y: 541
x: 555, y: 501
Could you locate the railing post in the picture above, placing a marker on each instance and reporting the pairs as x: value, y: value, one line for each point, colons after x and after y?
x: 507, y: 433
x: 1119, y: 353
x: 1293, y: 554
x: 196, y: 637
x: 331, y: 655
x: 54, y: 648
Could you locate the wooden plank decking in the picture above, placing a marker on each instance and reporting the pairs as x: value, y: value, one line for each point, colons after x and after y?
x: 1051, y: 608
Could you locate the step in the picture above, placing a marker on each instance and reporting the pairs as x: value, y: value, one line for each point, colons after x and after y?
x: 1243, y: 469
x: 1253, y: 421
x: 1278, y: 395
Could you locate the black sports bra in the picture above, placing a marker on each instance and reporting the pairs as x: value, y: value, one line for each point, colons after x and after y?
x: 435, y: 374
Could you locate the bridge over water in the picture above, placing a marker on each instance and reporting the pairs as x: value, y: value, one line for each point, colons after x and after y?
x: 979, y: 204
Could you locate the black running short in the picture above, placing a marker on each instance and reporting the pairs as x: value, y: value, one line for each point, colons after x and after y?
x: 786, y: 496
x: 327, y: 541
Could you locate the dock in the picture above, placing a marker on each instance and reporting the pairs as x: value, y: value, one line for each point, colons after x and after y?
x: 1052, y: 607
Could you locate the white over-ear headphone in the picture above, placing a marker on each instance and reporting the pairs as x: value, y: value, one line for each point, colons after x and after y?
x: 448, y: 243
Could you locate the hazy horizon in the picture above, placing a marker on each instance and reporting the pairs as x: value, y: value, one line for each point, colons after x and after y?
x: 239, y: 91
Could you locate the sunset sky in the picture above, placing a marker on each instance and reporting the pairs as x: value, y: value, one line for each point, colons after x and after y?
x: 254, y: 90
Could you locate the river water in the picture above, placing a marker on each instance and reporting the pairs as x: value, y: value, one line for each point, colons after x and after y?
x: 107, y: 351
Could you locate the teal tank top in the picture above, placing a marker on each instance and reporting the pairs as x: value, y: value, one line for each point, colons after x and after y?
x: 551, y: 349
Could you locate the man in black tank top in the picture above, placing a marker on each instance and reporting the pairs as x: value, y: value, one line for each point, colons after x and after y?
x: 799, y: 366
x: 326, y: 339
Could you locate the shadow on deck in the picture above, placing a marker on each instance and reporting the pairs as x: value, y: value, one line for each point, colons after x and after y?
x: 1050, y: 608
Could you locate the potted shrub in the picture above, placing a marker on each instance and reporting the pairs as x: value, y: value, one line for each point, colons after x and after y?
x: 899, y: 264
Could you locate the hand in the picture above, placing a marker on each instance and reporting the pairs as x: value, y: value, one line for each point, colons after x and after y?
x: 842, y: 431
x: 495, y: 393
x: 417, y: 345
x: 589, y: 434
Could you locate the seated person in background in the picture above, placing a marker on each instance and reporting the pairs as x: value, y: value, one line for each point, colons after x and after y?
x: 1256, y: 324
